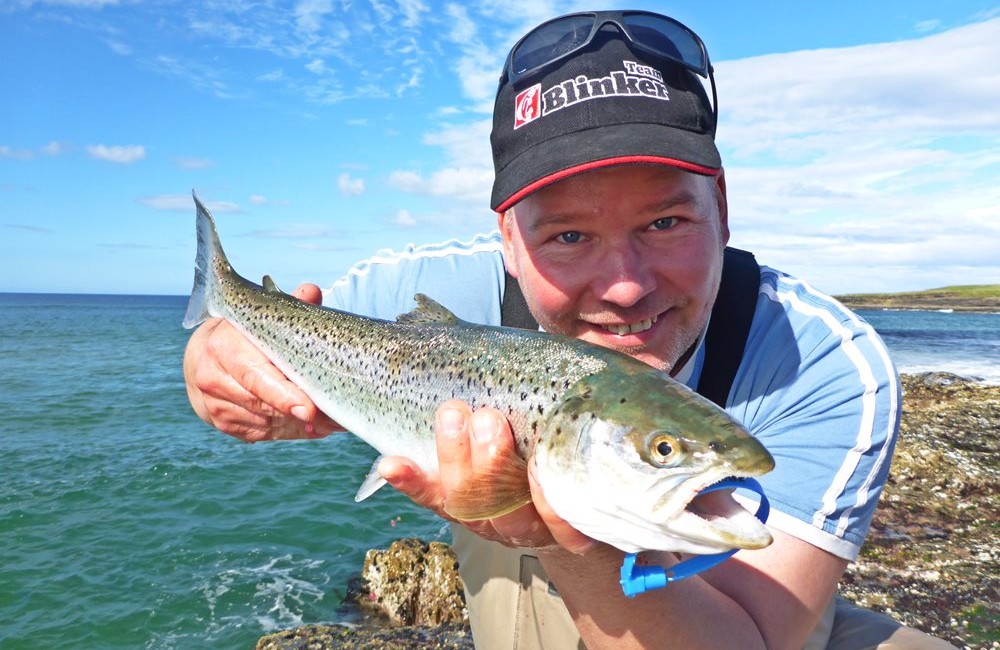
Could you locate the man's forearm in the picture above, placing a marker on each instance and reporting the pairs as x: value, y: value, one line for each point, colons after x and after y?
x: 687, y: 614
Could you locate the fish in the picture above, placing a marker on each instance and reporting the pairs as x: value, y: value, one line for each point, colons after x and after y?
x: 621, y: 450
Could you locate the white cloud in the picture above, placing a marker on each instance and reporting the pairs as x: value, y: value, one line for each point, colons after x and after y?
x: 119, y: 48
x: 406, y: 181
x: 870, y: 167
x: 87, y: 4
x: 945, y: 83
x: 317, y: 66
x: 54, y: 148
x: 309, y: 14
x: 405, y: 219
x: 184, y: 203
x: 260, y: 199
x: 274, y: 75
x: 350, y: 186
x: 925, y: 26
x: 125, y: 154
x: 413, y: 11
x: 16, y: 154
x: 189, y: 162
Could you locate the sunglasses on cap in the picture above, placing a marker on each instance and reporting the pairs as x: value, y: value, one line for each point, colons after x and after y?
x: 655, y: 34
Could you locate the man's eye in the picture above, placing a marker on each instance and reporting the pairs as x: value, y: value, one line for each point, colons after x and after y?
x: 570, y: 237
x: 665, y: 223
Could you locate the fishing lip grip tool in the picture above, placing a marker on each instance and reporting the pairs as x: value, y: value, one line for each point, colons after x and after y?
x: 640, y: 579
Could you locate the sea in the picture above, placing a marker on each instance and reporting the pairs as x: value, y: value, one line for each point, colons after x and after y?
x: 126, y: 522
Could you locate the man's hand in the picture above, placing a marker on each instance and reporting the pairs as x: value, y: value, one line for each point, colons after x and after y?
x: 233, y: 386
x: 468, y: 444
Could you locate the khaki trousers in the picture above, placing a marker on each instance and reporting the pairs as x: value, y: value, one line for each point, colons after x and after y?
x: 513, y: 606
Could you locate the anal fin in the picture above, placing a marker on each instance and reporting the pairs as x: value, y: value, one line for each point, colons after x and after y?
x: 372, y: 483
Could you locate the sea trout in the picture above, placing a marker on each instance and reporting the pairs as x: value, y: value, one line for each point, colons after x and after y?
x: 621, y: 449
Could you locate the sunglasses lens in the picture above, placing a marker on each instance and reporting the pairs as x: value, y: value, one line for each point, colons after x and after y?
x: 668, y: 39
x: 549, y: 42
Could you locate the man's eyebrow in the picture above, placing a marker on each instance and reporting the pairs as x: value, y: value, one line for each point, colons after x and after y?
x: 659, y: 206
x: 681, y: 197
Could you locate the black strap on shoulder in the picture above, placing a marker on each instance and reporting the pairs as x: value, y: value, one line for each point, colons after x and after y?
x: 728, y: 328
x: 514, y: 310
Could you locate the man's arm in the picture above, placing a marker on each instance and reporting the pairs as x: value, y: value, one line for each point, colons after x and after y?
x: 768, y: 599
x: 235, y: 388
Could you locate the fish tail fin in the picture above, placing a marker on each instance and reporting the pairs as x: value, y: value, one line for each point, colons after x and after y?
x: 201, y: 306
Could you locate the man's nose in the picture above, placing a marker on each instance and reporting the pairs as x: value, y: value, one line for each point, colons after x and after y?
x: 626, y: 276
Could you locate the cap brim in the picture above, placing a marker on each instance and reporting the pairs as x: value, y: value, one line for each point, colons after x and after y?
x: 619, y: 144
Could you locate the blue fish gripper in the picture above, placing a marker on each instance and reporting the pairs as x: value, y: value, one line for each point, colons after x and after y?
x: 640, y: 579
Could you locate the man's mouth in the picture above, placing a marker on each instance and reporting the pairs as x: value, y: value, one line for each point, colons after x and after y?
x: 631, y: 328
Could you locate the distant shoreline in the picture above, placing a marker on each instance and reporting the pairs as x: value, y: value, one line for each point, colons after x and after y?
x: 982, y: 298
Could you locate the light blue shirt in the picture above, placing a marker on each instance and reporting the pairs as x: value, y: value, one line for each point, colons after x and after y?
x: 815, y: 384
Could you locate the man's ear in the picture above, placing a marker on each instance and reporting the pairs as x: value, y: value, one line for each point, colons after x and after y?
x: 506, y: 224
x: 723, y: 203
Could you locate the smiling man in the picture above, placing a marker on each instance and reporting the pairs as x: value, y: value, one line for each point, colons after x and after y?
x: 613, y: 221
x: 627, y: 257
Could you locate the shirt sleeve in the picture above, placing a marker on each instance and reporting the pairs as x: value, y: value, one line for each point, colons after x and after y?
x: 466, y: 277
x: 817, y: 387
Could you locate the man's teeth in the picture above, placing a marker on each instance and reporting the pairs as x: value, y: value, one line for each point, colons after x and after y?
x: 633, y: 328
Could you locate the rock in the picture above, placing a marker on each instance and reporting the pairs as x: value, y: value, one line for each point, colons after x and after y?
x: 931, y: 559
x: 414, y: 583
x: 937, y: 378
x: 339, y: 637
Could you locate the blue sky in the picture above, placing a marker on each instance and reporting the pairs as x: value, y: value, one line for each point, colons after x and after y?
x: 861, y: 139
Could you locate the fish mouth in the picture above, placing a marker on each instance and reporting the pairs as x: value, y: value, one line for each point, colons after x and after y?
x: 625, y: 329
x: 716, y: 518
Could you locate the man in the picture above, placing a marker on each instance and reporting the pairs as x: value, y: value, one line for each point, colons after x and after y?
x: 613, y: 219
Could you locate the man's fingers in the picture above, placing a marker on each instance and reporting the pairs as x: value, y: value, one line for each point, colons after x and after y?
x: 451, y: 428
x: 404, y: 475
x: 264, y: 387
x: 309, y: 292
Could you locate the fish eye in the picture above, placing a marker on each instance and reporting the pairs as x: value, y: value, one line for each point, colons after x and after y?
x: 664, y: 449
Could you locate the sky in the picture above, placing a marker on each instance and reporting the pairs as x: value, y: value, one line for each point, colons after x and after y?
x: 861, y: 140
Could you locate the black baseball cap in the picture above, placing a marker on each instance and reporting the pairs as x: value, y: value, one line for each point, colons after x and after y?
x: 611, y: 102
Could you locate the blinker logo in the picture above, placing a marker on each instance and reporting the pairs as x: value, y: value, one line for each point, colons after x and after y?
x: 634, y: 81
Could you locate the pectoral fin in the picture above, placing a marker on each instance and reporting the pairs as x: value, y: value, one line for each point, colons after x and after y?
x: 492, y: 494
x: 371, y: 484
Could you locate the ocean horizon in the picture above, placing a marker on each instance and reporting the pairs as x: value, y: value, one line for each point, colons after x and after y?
x: 126, y: 522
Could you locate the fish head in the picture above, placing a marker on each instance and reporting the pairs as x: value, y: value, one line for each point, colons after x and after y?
x: 625, y: 455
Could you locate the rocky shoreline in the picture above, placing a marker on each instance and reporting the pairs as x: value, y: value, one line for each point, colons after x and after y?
x: 973, y: 298
x: 932, y: 558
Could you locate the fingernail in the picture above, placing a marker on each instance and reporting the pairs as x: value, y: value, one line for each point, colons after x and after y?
x: 451, y: 422
x: 300, y: 413
x: 485, y: 426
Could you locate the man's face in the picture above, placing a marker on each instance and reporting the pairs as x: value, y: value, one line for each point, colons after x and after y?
x: 627, y: 257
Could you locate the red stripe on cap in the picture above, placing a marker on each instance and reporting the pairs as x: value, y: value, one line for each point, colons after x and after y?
x: 598, y: 164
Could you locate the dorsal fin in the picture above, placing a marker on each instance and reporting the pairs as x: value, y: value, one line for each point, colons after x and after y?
x: 269, y: 285
x: 428, y: 312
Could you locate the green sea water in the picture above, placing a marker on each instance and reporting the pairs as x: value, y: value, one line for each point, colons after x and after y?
x: 125, y: 522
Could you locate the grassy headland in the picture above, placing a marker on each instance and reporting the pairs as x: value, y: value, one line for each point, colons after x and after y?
x: 966, y: 297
